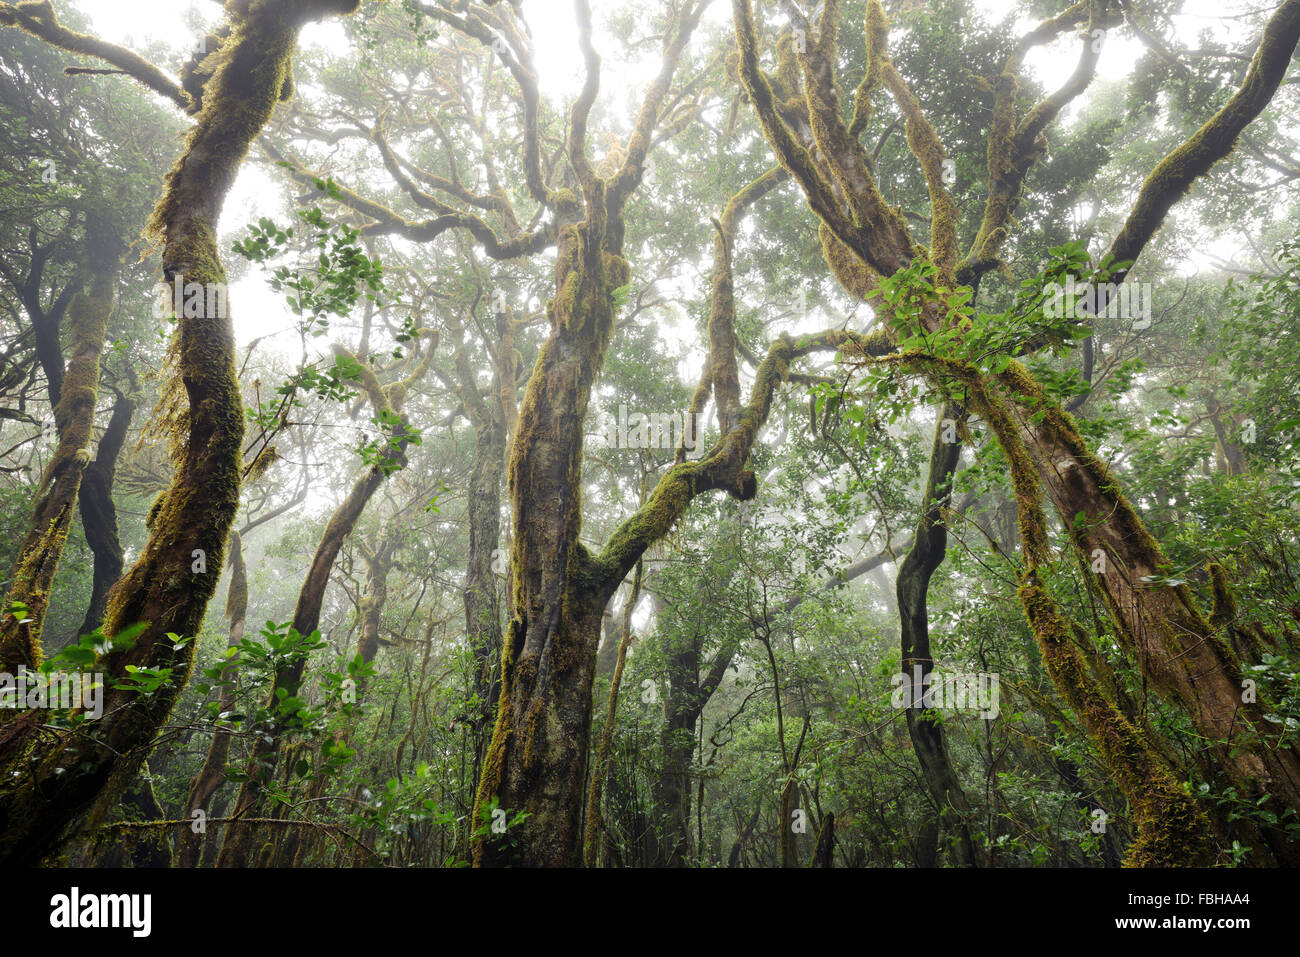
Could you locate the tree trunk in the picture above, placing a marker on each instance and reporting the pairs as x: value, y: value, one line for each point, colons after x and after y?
x: 189, y: 846
x: 824, y: 855
x: 926, y: 555
x: 195, y: 513
x: 38, y: 557
x: 672, y: 790
x: 99, y: 514
x: 1182, y: 654
x: 1170, y: 826
x: 595, y: 812
x: 537, y: 761
x: 482, y: 609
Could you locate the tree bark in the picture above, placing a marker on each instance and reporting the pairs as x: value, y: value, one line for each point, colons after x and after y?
x: 1186, y: 658
x: 99, y: 514
x: 38, y: 557
x: 196, y: 512
x: 189, y: 845
x: 929, y: 548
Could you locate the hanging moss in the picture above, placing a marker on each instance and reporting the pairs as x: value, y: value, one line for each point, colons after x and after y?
x: 857, y: 278
x: 1171, y: 828
x: 195, y: 513
x: 1172, y: 831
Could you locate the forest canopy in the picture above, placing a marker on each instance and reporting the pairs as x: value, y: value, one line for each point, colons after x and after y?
x: 684, y: 433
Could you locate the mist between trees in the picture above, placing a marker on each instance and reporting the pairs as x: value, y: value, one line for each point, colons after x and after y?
x: 687, y: 433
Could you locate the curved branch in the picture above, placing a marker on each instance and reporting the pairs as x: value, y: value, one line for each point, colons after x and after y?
x: 1176, y: 173
x: 38, y: 19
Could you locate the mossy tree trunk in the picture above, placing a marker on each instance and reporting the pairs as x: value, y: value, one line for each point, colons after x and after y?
x: 671, y: 792
x: 1171, y: 828
x: 379, y: 563
x: 74, y: 415
x: 1187, y: 659
x: 537, y: 761
x: 57, y: 780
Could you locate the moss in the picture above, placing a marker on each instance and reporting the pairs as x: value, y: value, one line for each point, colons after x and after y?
x: 786, y: 78
x: 1119, y: 510
x: 242, y: 95
x: 857, y: 278
x: 396, y: 393
x: 492, y: 774
x: 38, y: 557
x: 261, y: 465
x: 924, y: 144
x: 1172, y: 830
x: 877, y: 39
x: 790, y: 152
x: 1225, y: 606
x: 1174, y: 175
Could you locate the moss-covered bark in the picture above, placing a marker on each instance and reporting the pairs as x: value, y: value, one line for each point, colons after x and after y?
x: 38, y: 557
x: 378, y: 564
x: 48, y: 784
x: 1186, y: 658
x: 1170, y: 826
x: 537, y: 760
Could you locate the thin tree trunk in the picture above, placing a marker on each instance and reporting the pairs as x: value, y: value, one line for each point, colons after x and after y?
x: 824, y: 854
x: 482, y: 609
x: 99, y: 514
x: 926, y: 555
x: 189, y: 845
x: 594, y: 829
x: 237, y: 847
